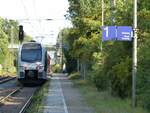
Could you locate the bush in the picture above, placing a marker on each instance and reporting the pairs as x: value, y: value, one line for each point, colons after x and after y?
x: 97, y: 74
x: 56, y: 68
x: 75, y: 75
x: 143, y: 90
x: 100, y: 80
x: 121, y: 78
x: 81, y: 82
x: 143, y: 76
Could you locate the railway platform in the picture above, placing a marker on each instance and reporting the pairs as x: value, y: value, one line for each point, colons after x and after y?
x: 63, y: 97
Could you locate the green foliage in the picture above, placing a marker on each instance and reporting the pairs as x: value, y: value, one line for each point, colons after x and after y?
x: 69, y: 61
x: 111, y: 68
x: 104, y: 102
x: 4, y: 52
x: 143, y: 77
x: 37, y: 105
x: 121, y: 78
x: 56, y: 68
x: 85, y: 18
x: 68, y: 37
x: 8, y: 30
x: 75, y: 75
x: 100, y: 80
x: 10, y: 27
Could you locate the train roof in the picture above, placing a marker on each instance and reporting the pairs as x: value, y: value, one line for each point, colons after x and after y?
x: 31, y: 43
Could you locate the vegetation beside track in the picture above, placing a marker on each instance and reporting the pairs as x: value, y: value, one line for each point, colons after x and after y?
x: 11, y: 74
x: 103, y: 101
x: 109, y: 67
x: 8, y: 31
x: 74, y: 76
x: 36, y: 105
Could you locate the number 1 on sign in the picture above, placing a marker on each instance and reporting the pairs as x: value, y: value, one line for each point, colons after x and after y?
x: 106, y: 29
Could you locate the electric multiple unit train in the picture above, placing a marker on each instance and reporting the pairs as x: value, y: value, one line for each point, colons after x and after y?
x: 32, y: 63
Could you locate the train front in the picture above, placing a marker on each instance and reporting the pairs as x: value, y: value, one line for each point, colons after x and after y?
x: 31, y: 63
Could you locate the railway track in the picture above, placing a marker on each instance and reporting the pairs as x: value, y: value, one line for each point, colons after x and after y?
x: 6, y: 79
x: 18, y: 100
x: 1, y: 78
x: 26, y: 105
x: 9, y: 95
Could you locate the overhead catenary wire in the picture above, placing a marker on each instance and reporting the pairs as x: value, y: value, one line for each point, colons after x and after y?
x: 38, y: 19
x: 26, y: 13
x: 36, y: 15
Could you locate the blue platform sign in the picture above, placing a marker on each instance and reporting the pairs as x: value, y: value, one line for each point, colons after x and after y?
x: 108, y: 33
x: 124, y: 33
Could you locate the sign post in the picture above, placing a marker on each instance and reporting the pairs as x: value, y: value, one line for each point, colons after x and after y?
x: 124, y: 33
x: 134, y: 65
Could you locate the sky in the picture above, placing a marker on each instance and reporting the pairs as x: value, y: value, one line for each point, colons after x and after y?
x: 34, y: 15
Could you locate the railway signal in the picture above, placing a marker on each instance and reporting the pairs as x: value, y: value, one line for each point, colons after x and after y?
x: 21, y: 33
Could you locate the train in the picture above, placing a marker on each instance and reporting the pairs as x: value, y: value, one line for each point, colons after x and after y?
x: 32, y: 63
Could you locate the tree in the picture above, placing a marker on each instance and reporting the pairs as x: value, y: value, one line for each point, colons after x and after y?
x: 110, y: 68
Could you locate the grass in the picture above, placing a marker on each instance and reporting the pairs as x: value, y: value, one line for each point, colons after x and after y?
x: 103, y: 102
x: 36, y: 106
x: 74, y: 76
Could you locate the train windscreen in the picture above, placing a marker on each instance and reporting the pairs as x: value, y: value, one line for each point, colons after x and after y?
x: 31, y: 52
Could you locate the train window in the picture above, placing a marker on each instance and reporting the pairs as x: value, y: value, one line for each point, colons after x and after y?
x: 31, y: 52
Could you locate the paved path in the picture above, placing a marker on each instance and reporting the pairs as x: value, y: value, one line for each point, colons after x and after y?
x: 62, y: 97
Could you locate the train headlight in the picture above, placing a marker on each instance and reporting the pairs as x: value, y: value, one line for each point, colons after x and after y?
x: 40, y: 67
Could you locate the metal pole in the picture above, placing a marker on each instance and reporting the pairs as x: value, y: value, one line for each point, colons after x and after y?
x: 102, y: 12
x: 78, y: 65
x: 101, y: 45
x: 12, y: 43
x: 84, y: 70
x: 11, y: 36
x: 111, y: 12
x: 62, y: 51
x: 134, y: 67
